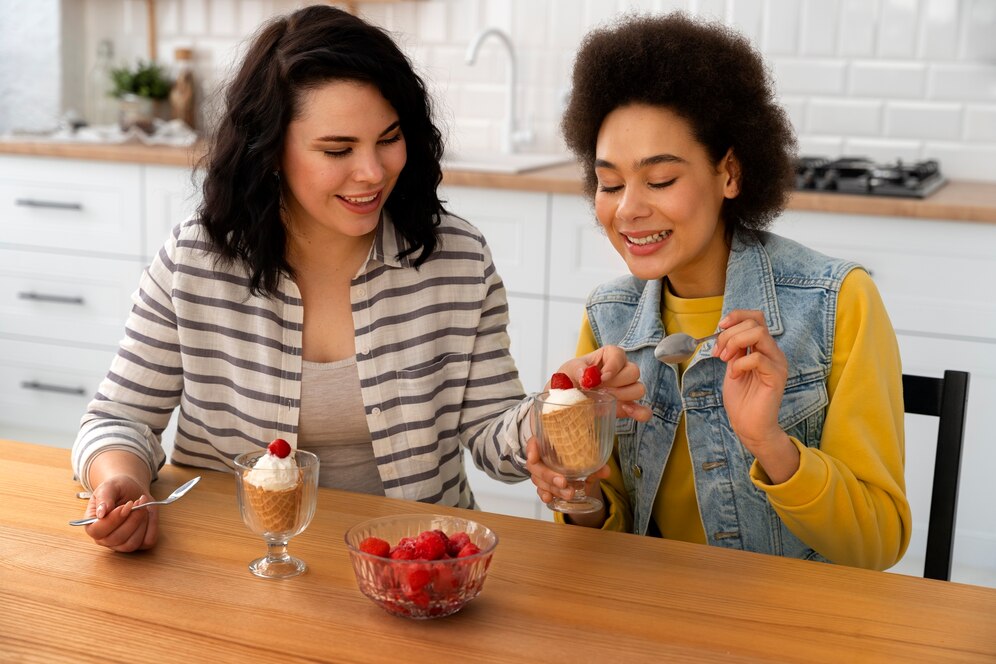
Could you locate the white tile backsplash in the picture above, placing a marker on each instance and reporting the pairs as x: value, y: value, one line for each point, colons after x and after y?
x: 882, y: 149
x: 980, y: 124
x: 886, y: 76
x: 897, y: 29
x: 781, y: 27
x: 810, y: 76
x: 858, y: 19
x: 938, y: 29
x: 889, y: 80
x: 962, y: 82
x: 923, y: 120
x: 848, y: 117
x: 980, y: 30
x: 819, y: 27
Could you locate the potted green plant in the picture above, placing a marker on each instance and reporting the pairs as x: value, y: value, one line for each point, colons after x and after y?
x: 141, y: 91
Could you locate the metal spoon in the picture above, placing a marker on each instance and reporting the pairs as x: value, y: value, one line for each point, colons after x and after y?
x: 173, y: 497
x: 678, y: 347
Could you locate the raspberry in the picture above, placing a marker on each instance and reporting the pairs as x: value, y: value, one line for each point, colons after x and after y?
x: 418, y: 579
x: 457, y: 542
x: 375, y: 546
x: 430, y: 545
x: 591, y: 378
x: 469, y: 549
x: 279, y: 448
x: 405, y: 550
x: 561, y: 381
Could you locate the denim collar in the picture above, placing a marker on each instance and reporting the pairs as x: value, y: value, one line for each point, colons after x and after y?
x: 750, y: 284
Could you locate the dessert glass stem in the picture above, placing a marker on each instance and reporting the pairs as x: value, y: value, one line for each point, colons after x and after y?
x: 276, y: 552
x: 579, y: 495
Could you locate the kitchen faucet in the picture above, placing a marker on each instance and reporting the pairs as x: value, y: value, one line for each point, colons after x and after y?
x: 512, y: 137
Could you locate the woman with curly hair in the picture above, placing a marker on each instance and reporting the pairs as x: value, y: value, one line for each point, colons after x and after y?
x: 321, y: 295
x: 785, y: 434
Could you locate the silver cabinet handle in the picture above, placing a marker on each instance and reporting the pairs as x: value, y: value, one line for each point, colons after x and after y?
x: 57, y: 205
x: 45, y: 297
x: 59, y: 389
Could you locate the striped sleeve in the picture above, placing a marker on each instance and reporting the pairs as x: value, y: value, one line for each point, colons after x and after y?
x: 134, y: 402
x: 495, y: 410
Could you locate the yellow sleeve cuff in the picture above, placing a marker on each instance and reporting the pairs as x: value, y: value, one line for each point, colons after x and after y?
x: 617, y: 519
x: 806, y: 486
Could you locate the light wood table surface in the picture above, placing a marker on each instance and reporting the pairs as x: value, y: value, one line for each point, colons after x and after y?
x: 554, y: 593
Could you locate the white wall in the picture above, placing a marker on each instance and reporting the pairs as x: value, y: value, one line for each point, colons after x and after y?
x: 30, y: 64
x: 889, y: 79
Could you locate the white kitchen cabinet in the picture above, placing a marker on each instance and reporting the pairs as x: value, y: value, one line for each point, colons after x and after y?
x: 581, y: 256
x: 77, y: 206
x: 171, y: 196
x: 934, y: 277
x: 516, y: 227
x: 74, y: 238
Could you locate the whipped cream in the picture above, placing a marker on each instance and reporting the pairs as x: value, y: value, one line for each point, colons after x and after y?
x: 560, y: 398
x: 272, y: 473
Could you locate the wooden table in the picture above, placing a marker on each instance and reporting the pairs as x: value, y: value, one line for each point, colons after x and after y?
x: 554, y: 593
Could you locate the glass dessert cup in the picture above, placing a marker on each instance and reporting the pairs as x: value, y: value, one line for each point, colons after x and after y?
x: 277, y: 515
x: 575, y: 440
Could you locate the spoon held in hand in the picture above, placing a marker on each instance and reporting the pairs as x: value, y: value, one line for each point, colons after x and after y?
x: 176, y: 495
x: 678, y: 347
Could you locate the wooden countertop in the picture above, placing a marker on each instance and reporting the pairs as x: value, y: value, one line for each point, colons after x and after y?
x: 959, y: 200
x: 556, y: 593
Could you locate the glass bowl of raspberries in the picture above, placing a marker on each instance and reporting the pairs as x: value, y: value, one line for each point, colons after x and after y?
x: 421, y: 565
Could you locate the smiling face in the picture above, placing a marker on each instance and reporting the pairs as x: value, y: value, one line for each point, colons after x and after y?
x: 342, y: 157
x: 659, y: 197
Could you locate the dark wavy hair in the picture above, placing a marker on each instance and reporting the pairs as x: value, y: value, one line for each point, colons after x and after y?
x: 706, y: 73
x: 288, y: 57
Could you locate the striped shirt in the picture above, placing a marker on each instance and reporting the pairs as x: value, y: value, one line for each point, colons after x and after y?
x: 431, y: 349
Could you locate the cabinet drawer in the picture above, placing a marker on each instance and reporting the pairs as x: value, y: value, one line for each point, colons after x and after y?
x: 62, y: 297
x: 48, y: 386
x: 70, y: 204
x: 514, y: 223
x: 934, y: 276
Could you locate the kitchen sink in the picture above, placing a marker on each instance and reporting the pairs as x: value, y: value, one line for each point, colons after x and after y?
x: 500, y: 162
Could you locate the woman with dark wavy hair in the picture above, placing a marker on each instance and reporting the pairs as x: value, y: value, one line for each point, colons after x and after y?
x: 785, y: 434
x: 321, y: 295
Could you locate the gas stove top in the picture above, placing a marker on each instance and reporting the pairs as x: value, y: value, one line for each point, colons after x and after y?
x: 857, y: 175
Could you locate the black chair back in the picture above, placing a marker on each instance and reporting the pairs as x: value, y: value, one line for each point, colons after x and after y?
x: 945, y: 398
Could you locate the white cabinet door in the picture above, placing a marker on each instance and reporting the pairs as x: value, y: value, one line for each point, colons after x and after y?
x: 526, y: 332
x: 66, y: 204
x: 581, y: 257
x: 170, y: 197
x: 562, y: 333
x: 512, y: 499
x: 514, y: 223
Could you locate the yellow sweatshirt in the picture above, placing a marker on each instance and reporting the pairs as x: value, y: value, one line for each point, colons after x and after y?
x: 848, y: 498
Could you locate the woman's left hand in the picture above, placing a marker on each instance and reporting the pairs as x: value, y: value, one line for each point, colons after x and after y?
x: 756, y: 371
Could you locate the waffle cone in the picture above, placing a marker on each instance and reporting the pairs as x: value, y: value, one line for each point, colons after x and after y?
x: 276, y: 510
x: 571, y: 432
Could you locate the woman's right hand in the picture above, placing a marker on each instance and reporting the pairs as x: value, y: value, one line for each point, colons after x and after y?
x: 550, y: 484
x: 117, y: 527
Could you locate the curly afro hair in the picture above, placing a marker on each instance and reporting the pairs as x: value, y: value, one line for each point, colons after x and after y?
x: 706, y: 73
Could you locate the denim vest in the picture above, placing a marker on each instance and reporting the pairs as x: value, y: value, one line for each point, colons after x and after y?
x: 796, y: 290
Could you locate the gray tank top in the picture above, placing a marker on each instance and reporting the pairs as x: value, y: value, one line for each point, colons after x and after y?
x: 333, y: 426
